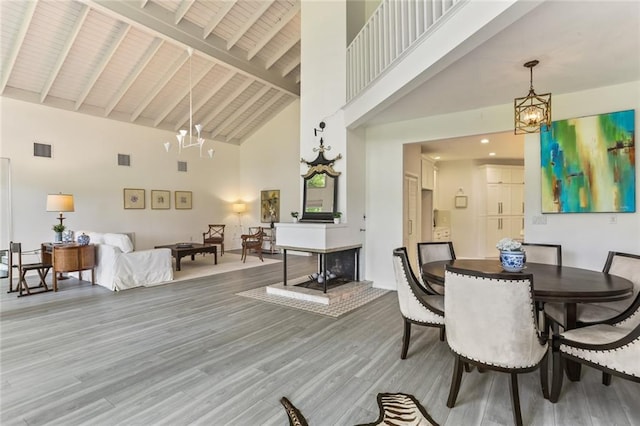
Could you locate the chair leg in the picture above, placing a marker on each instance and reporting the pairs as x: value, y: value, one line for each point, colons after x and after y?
x: 544, y: 376
x: 222, y: 249
x: 606, y: 379
x: 22, y: 284
x: 515, y: 399
x: 442, y: 334
x: 558, y: 372
x: 405, y: 339
x: 455, y: 382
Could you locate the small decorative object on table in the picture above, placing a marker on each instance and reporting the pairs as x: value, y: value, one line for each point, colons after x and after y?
x: 58, y: 229
x: 67, y: 236
x: 512, y: 257
x: 294, y: 215
x: 83, y: 239
x: 184, y: 245
x: 336, y: 217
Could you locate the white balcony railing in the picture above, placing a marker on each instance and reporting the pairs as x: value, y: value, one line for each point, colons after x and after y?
x: 395, y: 26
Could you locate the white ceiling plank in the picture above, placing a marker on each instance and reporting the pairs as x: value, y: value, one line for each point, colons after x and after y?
x: 7, y: 67
x: 249, y: 23
x: 182, y: 10
x: 227, y: 6
x: 177, y: 97
x: 274, y: 30
x: 290, y: 67
x: 154, y: 19
x: 212, y: 115
x: 280, y: 53
x: 64, y: 52
x: 171, y: 71
x: 256, y: 114
x: 106, y: 57
x: 205, y: 98
x: 245, y: 106
x: 144, y: 61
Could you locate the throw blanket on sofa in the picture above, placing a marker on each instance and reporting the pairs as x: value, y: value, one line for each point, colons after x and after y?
x: 119, y: 267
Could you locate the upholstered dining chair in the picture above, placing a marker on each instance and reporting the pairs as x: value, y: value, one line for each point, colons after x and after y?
x: 491, y: 323
x: 550, y: 254
x: 419, y: 304
x: 432, y: 252
x: 252, y: 242
x: 215, y: 235
x: 612, y: 347
x: 625, y: 265
x: 42, y: 268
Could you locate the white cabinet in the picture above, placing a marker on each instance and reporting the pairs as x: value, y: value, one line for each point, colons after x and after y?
x: 428, y: 172
x: 498, y: 228
x: 503, y: 211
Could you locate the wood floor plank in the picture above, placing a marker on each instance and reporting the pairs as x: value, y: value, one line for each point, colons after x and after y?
x: 196, y: 353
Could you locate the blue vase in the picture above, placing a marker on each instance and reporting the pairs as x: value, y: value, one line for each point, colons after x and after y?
x: 512, y: 261
x: 83, y: 239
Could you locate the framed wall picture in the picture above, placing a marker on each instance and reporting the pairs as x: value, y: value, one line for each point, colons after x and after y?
x: 461, y: 201
x: 588, y: 164
x: 160, y: 200
x: 134, y: 198
x: 183, y: 200
x: 270, y: 206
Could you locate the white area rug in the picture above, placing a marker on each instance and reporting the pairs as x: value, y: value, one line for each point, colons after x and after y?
x: 203, y: 266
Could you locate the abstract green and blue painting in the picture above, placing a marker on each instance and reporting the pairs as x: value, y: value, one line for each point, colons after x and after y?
x: 588, y: 164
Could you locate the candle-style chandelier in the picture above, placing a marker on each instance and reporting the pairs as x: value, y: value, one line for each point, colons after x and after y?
x: 183, y: 141
x: 532, y: 111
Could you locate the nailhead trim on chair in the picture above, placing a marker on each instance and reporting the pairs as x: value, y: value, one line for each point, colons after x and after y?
x: 437, y: 317
x: 583, y: 354
x: 532, y: 312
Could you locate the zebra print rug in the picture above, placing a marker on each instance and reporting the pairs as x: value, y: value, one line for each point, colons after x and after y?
x: 396, y: 409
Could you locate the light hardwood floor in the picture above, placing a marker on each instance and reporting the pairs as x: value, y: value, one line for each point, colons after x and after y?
x: 195, y: 353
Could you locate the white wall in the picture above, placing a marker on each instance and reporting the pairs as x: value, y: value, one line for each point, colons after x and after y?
x: 84, y: 164
x: 269, y: 159
x: 585, y: 238
x: 464, y: 222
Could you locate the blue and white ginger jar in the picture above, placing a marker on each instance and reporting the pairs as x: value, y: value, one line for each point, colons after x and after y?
x: 83, y: 239
x: 512, y: 261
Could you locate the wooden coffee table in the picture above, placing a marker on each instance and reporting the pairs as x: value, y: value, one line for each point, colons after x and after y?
x: 180, y: 250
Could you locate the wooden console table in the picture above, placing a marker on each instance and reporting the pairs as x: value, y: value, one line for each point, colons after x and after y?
x: 70, y: 258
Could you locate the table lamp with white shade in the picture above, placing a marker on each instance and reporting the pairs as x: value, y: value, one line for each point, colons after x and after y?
x: 60, y: 203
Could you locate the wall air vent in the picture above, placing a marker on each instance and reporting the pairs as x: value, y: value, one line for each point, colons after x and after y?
x: 182, y: 166
x: 124, y: 160
x: 41, y: 150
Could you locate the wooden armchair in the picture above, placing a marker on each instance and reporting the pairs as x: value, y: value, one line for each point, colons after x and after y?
x: 215, y: 235
x: 252, y: 242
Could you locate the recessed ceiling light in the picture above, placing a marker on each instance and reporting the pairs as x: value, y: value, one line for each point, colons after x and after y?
x: 437, y: 157
x: 484, y: 140
x: 491, y: 154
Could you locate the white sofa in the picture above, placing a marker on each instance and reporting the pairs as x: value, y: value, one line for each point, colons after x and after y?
x: 119, y: 267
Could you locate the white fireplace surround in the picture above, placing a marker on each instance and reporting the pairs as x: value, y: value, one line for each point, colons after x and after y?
x: 314, y: 236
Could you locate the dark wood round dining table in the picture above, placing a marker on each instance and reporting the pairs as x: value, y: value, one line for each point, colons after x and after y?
x: 551, y: 283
